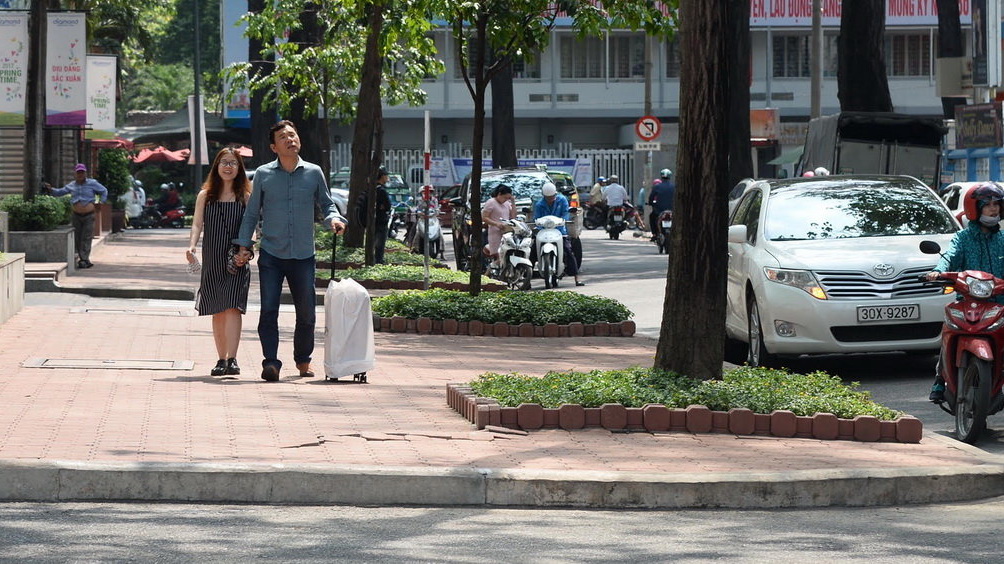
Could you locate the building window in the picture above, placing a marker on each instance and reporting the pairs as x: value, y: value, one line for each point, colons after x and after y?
x: 522, y: 69
x: 908, y: 54
x: 627, y: 56
x: 581, y: 58
x: 792, y: 55
x: 673, y: 59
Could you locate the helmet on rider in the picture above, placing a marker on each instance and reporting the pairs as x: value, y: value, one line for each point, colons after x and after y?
x: 613, y: 178
x: 821, y: 171
x: 665, y: 173
x: 601, y: 180
x: 548, y: 189
x: 981, y: 196
x: 164, y: 187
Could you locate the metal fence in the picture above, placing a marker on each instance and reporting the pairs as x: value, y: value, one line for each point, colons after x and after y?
x: 409, y: 162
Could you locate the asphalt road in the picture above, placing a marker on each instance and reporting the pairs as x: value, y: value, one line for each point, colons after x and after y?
x: 102, y: 532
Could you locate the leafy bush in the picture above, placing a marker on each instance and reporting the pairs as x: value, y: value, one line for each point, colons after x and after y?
x: 43, y: 213
x: 395, y: 252
x: 401, y: 272
x: 510, y: 307
x: 760, y: 390
x: 113, y: 173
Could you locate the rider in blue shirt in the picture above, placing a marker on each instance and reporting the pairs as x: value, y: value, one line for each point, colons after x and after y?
x: 553, y: 203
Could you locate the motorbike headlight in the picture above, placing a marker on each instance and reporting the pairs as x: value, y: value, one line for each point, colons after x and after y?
x: 801, y: 279
x: 980, y: 288
x: 547, y: 222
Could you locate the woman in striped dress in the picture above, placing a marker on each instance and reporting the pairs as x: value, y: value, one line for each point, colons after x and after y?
x: 218, y: 212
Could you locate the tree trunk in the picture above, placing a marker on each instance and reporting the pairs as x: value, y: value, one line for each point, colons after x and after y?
x: 949, y: 45
x: 862, y: 84
x: 503, y: 119
x: 34, y: 113
x: 361, y: 177
x: 477, y: 144
x: 261, y: 119
x: 740, y: 156
x: 692, y: 336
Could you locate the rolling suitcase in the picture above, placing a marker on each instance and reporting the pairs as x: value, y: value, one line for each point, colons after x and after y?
x: 348, y: 330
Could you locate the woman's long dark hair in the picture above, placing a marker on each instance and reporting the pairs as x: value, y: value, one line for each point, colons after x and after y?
x: 214, y: 182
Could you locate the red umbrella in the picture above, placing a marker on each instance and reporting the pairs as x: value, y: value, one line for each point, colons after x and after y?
x: 158, y: 155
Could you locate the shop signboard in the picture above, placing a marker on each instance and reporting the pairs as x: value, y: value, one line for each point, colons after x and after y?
x: 978, y: 126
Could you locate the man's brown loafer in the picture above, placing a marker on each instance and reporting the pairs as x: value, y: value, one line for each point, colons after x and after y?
x: 305, y: 370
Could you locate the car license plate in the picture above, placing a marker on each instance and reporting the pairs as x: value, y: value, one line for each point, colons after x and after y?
x: 868, y: 314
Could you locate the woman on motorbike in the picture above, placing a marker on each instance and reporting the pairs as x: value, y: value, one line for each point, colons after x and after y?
x: 980, y: 246
x: 495, y: 211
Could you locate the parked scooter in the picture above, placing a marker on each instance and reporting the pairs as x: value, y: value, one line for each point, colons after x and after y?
x: 616, y: 222
x: 152, y: 217
x: 972, y: 343
x: 661, y: 231
x: 416, y: 236
x: 550, y: 249
x: 514, y: 266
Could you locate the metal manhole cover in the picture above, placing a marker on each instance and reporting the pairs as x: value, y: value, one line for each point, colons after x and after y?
x: 109, y: 364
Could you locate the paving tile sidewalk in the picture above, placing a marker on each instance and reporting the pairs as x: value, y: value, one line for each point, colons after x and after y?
x: 398, y: 420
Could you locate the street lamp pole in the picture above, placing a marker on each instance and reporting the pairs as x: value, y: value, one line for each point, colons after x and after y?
x: 816, y: 64
x: 197, y: 103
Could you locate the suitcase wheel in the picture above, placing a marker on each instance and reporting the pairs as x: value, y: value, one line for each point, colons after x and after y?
x: 360, y: 377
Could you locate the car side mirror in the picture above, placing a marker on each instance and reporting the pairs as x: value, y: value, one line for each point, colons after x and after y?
x: 737, y: 233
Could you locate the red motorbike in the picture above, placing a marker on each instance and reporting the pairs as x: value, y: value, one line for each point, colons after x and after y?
x: 972, y: 348
x: 152, y: 216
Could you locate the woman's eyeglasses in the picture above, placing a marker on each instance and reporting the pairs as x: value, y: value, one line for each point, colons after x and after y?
x: 228, y: 164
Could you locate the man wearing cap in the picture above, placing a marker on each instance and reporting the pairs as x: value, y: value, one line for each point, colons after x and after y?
x: 84, y: 191
x: 556, y: 204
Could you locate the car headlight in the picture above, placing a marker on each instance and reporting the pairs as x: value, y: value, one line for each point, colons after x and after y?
x: 980, y: 288
x: 801, y: 279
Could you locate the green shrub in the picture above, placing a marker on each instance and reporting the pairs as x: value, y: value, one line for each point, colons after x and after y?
x: 395, y: 252
x: 43, y: 213
x: 401, y: 272
x: 113, y: 173
x: 538, y: 308
x: 760, y: 390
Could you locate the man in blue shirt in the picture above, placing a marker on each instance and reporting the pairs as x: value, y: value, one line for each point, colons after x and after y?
x: 556, y: 204
x: 284, y: 194
x: 83, y: 193
x: 661, y: 198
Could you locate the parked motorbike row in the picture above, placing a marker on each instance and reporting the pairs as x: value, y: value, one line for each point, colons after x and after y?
x: 514, y: 266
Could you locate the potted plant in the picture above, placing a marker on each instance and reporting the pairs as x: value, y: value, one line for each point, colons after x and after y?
x: 113, y: 173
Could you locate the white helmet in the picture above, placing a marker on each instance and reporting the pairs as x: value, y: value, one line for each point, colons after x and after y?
x: 548, y: 189
x: 821, y: 171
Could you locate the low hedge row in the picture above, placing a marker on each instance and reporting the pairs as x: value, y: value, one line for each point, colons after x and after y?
x: 760, y: 390
x: 538, y: 308
x: 399, y: 272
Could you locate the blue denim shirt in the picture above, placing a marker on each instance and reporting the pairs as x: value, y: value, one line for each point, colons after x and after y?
x: 558, y: 208
x: 82, y: 192
x: 284, y: 203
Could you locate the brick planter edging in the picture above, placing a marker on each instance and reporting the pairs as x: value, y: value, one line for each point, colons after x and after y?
x: 371, y: 284
x: 501, y: 329
x: 694, y: 419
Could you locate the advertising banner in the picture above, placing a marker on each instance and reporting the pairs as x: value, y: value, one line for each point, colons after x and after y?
x: 978, y: 126
x: 798, y: 13
x: 65, y: 88
x: 13, y: 66
x: 237, y: 109
x: 101, y: 96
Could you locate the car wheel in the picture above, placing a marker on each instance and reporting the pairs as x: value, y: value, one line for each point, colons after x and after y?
x: 757, y: 354
x: 735, y: 351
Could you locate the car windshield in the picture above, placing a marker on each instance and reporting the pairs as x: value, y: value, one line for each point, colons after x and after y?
x: 841, y: 209
x: 525, y: 185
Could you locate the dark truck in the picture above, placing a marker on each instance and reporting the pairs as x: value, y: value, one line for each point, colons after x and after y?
x: 875, y: 143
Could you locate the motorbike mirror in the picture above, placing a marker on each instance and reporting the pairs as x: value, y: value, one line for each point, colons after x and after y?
x: 930, y: 248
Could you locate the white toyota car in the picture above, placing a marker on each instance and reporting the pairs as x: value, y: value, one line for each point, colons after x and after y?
x: 831, y: 264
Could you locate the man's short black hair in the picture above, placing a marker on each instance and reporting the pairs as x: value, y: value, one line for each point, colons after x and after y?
x: 279, y: 125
